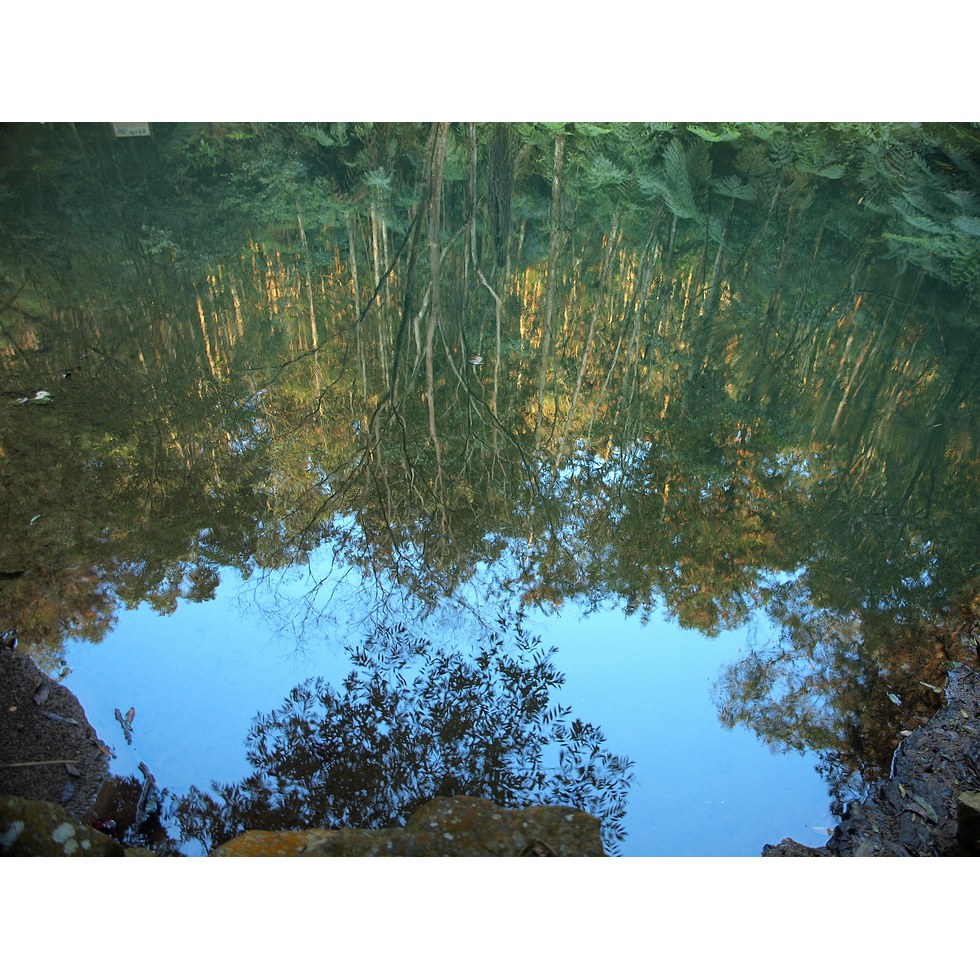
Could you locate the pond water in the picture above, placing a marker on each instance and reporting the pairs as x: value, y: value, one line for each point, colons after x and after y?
x: 629, y: 467
x: 199, y: 676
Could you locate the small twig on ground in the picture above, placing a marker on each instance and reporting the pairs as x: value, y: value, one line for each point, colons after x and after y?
x: 47, y: 762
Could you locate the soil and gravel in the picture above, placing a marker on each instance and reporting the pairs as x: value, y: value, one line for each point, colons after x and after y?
x: 48, y: 749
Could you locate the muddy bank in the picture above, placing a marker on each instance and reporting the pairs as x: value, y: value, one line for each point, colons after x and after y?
x: 48, y: 749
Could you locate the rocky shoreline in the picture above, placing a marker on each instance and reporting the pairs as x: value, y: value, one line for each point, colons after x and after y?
x: 54, y: 769
x: 930, y: 804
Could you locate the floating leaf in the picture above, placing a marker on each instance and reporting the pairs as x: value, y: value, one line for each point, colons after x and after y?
x: 927, y: 808
x: 932, y: 687
x: 901, y: 790
x: 73, y: 770
x: 894, y: 698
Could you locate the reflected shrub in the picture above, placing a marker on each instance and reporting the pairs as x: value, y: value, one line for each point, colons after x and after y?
x: 411, y: 722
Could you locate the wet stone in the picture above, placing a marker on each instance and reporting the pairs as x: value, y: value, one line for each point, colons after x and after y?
x: 788, y: 847
x: 968, y: 823
x: 36, y: 828
x: 460, y: 826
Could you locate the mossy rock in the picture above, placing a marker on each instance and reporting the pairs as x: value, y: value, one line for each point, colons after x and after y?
x: 462, y: 826
x: 36, y: 828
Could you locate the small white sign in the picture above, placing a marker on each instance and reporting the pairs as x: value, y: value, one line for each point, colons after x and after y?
x: 131, y: 129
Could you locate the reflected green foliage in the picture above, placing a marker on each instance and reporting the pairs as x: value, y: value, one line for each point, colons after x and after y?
x: 664, y: 366
x: 414, y: 722
x: 846, y: 686
x: 126, y: 812
x: 122, y: 489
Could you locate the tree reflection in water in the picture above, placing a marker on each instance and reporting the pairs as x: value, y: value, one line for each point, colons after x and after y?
x: 414, y: 721
x: 847, y: 686
x: 664, y: 366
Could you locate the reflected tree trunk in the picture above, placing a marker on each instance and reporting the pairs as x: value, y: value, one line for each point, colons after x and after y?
x: 501, y: 155
x: 605, y: 273
x: 481, y: 276
x: 309, y: 275
x: 434, y: 293
x: 381, y: 309
x: 357, y: 306
x: 713, y: 296
x: 552, y: 274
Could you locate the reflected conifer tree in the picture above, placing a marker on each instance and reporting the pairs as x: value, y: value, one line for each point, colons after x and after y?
x: 414, y: 721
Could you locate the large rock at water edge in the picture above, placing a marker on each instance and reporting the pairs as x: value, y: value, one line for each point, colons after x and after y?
x: 459, y: 827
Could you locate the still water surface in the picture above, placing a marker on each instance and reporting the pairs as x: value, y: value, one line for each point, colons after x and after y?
x: 275, y: 411
x: 198, y: 676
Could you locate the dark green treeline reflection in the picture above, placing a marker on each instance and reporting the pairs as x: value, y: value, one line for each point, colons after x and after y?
x: 709, y: 369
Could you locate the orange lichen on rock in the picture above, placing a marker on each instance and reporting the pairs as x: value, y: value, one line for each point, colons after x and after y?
x: 459, y: 827
x: 270, y: 843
